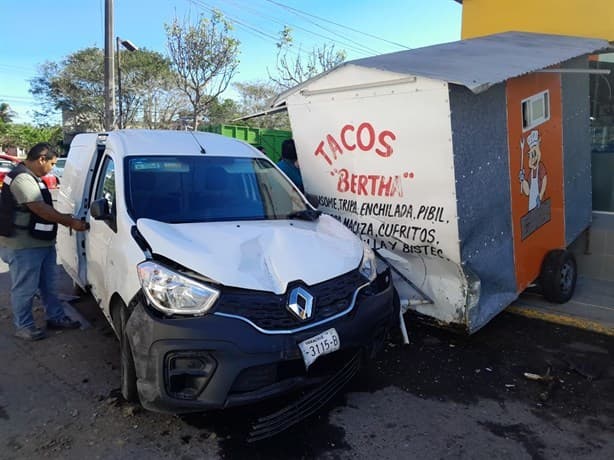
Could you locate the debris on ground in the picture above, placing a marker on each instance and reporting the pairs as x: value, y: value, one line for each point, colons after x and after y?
x: 130, y: 410
x: 537, y: 377
x: 591, y: 370
x: 550, y: 380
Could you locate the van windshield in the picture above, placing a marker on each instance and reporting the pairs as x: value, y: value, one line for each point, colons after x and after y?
x: 185, y: 189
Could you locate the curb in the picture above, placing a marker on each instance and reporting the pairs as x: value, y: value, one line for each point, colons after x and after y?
x: 565, y: 320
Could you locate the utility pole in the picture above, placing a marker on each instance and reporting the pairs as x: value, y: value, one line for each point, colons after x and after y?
x: 109, y: 68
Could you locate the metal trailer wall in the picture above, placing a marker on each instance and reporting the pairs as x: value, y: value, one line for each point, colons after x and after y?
x: 481, y: 163
x: 576, y: 150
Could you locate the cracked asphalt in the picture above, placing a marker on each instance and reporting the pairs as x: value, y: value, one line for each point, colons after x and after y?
x: 442, y: 396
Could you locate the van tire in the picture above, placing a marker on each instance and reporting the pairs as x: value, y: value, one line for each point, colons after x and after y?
x: 558, y: 276
x: 127, y: 370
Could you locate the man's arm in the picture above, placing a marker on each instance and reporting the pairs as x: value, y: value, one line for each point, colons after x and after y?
x: 42, y: 209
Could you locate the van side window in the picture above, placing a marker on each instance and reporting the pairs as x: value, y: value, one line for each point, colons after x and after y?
x: 106, y: 184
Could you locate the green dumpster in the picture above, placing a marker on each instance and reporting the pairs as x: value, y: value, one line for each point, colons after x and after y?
x: 269, y: 139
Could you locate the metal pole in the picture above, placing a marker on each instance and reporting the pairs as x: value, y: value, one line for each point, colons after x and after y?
x: 120, y: 122
x: 595, y: 95
x: 109, y: 68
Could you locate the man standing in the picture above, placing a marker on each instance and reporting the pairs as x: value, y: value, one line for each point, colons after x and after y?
x: 28, y: 227
x: 289, y: 163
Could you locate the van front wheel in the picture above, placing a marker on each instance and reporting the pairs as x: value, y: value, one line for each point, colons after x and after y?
x: 126, y: 360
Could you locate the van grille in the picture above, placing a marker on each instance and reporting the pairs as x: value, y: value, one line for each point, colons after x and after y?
x: 268, y: 311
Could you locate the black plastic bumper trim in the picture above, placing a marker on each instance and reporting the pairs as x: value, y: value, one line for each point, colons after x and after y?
x: 275, y: 423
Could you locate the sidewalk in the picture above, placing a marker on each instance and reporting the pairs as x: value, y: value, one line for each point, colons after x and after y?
x: 591, y: 308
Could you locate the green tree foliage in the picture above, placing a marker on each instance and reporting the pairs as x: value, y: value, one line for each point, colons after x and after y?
x: 25, y: 136
x: 295, y: 67
x: 221, y: 112
x: 6, y: 113
x: 205, y: 58
x: 75, y: 87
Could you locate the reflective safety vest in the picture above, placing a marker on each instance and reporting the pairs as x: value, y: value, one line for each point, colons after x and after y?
x: 38, y: 227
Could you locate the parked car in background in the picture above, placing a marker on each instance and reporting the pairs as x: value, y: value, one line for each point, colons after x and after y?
x: 51, y: 181
x: 4, y: 156
x: 58, y: 169
x: 7, y: 163
x: 5, y: 168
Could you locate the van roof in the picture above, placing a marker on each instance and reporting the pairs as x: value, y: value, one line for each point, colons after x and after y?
x: 162, y: 142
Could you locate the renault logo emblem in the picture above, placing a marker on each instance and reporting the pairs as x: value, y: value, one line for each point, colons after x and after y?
x: 300, y: 303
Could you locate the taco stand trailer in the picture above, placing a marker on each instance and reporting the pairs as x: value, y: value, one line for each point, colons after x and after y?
x: 466, y: 165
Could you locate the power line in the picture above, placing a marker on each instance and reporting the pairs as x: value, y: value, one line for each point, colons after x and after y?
x: 345, y: 41
x: 250, y: 28
x: 297, y: 11
x: 13, y: 68
x: 17, y: 98
x: 239, y: 22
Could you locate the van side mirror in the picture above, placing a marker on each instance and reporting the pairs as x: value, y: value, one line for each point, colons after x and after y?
x: 100, y: 210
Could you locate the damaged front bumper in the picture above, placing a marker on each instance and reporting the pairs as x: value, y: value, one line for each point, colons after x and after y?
x: 194, y: 364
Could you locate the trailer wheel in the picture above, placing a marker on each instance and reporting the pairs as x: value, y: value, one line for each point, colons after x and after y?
x: 127, y: 370
x: 558, y: 276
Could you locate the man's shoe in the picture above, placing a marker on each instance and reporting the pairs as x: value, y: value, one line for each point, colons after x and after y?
x: 63, y: 323
x: 30, y: 333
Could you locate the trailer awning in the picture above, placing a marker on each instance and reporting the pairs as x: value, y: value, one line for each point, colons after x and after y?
x: 477, y: 63
x: 279, y: 109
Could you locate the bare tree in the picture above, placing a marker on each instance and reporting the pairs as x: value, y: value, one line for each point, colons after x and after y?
x: 204, y: 56
x: 293, y: 70
x: 162, y: 107
x: 256, y: 96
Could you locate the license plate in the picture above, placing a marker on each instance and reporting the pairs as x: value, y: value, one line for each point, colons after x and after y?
x: 319, y: 345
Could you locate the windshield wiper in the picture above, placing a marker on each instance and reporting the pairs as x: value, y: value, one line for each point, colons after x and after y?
x: 305, y: 214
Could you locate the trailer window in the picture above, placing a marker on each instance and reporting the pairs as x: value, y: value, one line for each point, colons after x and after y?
x: 535, y: 110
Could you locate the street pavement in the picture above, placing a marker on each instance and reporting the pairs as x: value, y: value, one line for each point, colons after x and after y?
x: 520, y: 388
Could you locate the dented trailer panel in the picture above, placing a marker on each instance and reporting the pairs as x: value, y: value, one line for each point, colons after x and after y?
x: 387, y: 174
x: 463, y: 164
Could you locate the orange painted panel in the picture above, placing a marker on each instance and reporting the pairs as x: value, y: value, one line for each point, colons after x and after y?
x: 536, y: 169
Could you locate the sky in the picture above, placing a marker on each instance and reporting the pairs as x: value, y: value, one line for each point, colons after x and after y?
x: 36, y: 31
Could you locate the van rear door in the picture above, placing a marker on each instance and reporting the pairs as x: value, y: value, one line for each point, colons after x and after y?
x: 73, y: 198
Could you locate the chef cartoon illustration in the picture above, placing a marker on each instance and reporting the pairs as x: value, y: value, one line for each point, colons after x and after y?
x: 533, y: 186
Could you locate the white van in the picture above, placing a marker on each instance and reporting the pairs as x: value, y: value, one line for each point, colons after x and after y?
x: 223, y: 284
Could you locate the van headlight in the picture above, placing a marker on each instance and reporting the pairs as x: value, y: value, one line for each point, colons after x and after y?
x: 172, y: 293
x: 368, y: 266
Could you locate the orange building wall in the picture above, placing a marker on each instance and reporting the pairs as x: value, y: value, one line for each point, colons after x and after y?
x: 583, y: 18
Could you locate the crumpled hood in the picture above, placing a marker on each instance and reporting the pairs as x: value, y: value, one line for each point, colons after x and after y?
x: 260, y: 255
